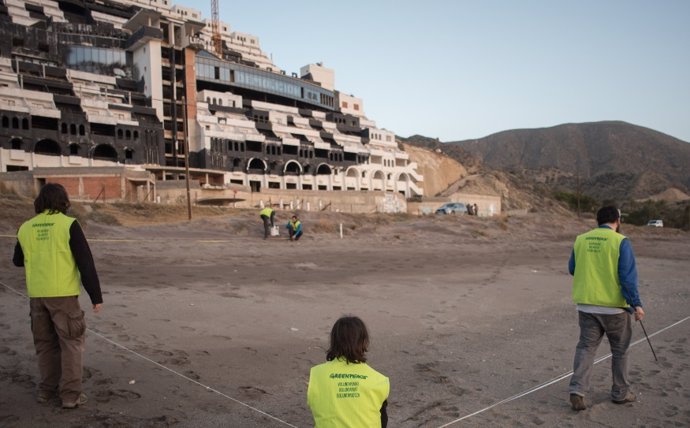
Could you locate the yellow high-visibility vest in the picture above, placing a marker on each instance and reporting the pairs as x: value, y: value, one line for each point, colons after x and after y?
x: 266, y: 211
x: 48, y: 260
x: 342, y: 395
x: 596, y: 280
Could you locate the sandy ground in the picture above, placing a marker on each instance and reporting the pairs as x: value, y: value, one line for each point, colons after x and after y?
x: 205, y: 327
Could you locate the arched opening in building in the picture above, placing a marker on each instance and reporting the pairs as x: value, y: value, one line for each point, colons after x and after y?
x: 15, y: 123
x: 256, y: 164
x: 25, y: 123
x: 323, y: 169
x: 352, y: 172
x: 48, y: 147
x: 82, y: 130
x: 378, y: 180
x: 16, y: 143
x: 236, y: 162
x: 74, y: 149
x: 293, y: 167
x: 105, y: 152
x: 5, y: 122
x: 129, y: 154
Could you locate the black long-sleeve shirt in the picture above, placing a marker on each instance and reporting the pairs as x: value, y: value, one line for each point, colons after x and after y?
x: 82, y: 257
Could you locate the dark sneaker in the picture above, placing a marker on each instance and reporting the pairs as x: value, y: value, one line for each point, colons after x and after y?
x: 44, y: 396
x: 630, y: 397
x: 74, y: 404
x: 577, y: 402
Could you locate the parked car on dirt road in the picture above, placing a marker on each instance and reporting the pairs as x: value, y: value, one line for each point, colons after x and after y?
x: 655, y: 223
x: 452, y: 208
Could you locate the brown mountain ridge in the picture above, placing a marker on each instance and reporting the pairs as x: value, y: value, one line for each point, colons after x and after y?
x: 611, y: 160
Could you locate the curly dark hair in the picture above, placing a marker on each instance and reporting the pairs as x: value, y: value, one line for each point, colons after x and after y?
x: 349, y: 339
x: 52, y: 197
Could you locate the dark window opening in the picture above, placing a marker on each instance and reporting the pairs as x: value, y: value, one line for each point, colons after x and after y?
x: 292, y: 167
x: 254, y: 146
x: 256, y: 164
x: 103, y: 129
x: 105, y: 151
x: 74, y: 149
x: 48, y: 147
x: 42, y: 122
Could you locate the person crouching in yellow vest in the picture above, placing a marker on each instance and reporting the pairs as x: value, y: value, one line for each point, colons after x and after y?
x: 57, y: 259
x: 345, y: 392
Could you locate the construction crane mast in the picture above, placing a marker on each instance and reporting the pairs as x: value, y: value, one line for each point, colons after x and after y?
x: 215, y: 28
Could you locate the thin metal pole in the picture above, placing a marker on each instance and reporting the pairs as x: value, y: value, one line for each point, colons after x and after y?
x: 186, y: 154
x: 648, y: 341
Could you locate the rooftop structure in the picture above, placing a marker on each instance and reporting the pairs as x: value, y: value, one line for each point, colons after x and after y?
x: 86, y: 83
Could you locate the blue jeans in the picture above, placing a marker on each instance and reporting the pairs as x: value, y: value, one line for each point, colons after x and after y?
x: 618, y: 329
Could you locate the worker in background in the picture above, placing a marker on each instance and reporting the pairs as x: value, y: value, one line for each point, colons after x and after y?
x: 294, y: 228
x: 267, y: 216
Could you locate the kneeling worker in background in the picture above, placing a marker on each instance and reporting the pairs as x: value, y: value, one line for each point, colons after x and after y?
x: 345, y: 391
x: 294, y: 227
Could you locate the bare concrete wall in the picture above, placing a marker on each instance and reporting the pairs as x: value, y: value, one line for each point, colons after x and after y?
x: 307, y: 200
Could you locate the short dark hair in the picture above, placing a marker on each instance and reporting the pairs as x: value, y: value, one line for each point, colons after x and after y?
x: 608, y: 214
x: 52, y: 197
x: 349, y: 339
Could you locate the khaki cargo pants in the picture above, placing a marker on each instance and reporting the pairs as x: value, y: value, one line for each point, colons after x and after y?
x: 58, y: 327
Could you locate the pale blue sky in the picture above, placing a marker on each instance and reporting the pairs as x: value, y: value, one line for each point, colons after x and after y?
x: 459, y: 70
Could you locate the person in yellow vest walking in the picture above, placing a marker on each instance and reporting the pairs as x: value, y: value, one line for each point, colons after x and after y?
x: 345, y: 392
x: 605, y: 290
x: 57, y: 259
x: 267, y: 216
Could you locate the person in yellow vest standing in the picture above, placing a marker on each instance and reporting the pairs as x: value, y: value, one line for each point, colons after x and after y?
x: 345, y: 392
x: 605, y: 291
x: 57, y: 259
x: 267, y: 216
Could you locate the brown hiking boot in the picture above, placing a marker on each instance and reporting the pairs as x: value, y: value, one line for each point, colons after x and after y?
x: 44, y: 396
x: 81, y: 400
x: 630, y: 397
x: 577, y: 402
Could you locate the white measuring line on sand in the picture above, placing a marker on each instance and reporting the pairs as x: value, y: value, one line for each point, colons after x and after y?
x: 554, y: 380
x: 143, y: 357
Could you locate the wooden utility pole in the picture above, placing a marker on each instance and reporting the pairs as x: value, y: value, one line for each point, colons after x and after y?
x: 186, y: 154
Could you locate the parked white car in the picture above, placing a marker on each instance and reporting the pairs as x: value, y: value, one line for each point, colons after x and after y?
x: 655, y: 223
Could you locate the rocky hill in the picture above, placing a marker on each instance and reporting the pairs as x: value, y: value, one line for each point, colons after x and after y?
x: 610, y: 160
